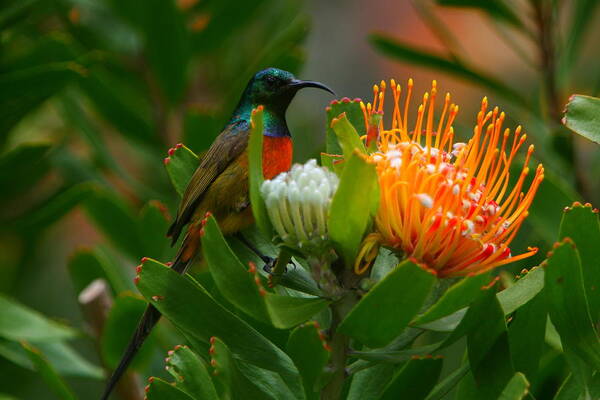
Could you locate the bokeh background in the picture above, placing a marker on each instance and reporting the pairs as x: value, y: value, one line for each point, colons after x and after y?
x: 94, y: 92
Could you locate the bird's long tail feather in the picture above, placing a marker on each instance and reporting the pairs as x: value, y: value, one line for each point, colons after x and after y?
x: 147, y: 322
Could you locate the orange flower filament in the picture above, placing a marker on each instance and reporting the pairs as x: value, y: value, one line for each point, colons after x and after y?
x: 446, y: 204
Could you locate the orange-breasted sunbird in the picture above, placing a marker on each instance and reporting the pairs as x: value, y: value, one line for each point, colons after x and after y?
x: 220, y: 183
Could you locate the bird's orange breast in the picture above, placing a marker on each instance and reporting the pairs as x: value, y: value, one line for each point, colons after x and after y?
x: 277, y: 155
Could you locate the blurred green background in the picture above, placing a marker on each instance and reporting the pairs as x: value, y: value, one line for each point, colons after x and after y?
x: 94, y: 93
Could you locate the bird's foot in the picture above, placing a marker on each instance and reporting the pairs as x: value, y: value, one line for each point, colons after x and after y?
x: 270, y: 263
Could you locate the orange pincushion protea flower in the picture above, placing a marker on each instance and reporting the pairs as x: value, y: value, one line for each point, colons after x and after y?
x: 446, y: 204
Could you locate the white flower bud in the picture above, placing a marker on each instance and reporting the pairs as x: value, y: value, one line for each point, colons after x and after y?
x: 298, y: 204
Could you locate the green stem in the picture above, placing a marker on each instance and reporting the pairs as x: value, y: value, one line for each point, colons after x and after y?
x: 280, y: 266
x: 340, y: 345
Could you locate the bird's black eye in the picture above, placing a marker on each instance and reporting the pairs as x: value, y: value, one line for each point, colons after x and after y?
x: 271, y: 80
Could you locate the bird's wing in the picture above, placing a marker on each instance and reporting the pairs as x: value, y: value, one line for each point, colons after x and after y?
x: 226, y: 148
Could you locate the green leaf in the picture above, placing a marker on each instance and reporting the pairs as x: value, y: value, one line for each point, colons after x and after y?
x: 255, y: 173
x: 48, y: 374
x: 187, y: 305
x: 85, y: 266
x: 52, y: 209
x: 191, y: 373
x: 525, y: 289
x: 495, y: 8
x: 457, y: 297
x: 414, y: 380
x: 162, y: 390
x: 351, y: 206
x: 201, y: 126
x: 18, y: 322
x: 582, y: 116
x: 116, y: 220
x: 396, y: 356
x: 448, y: 383
x: 307, y: 349
x: 569, y: 389
x: 567, y: 305
x: 123, y: 319
x: 167, y: 46
x: 237, y: 380
x: 488, y: 346
x: 354, y: 114
x: 118, y: 103
x: 21, y: 168
x: 516, y: 389
x: 580, y: 223
x: 510, y: 299
x: 401, y: 51
x: 62, y: 357
x: 582, y: 17
x: 287, y: 311
x: 552, y: 195
x: 180, y: 165
x: 238, y: 285
x: 526, y: 334
x: 234, y: 280
x: 152, y: 226
x: 368, y: 384
x: 22, y: 91
x: 347, y: 136
x: 384, y: 312
x: 12, y: 13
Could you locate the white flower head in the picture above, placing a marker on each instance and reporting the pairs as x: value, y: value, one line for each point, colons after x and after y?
x: 298, y: 203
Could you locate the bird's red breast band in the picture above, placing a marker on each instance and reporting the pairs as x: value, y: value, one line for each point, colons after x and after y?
x: 277, y: 155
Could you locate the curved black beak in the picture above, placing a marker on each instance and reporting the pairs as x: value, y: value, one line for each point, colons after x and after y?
x: 299, y: 84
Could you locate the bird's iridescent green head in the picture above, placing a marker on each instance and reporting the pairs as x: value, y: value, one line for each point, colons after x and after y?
x: 274, y: 89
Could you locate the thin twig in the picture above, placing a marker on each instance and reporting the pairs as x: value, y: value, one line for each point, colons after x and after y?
x: 95, y: 301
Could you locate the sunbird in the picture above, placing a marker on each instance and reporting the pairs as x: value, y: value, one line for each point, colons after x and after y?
x: 220, y: 183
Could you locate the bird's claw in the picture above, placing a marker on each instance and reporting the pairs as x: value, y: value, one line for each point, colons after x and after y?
x: 270, y: 263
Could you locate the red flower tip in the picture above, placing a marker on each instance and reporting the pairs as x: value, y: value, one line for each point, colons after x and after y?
x: 327, y: 109
x: 179, y: 145
x: 334, y: 102
x: 136, y: 280
x: 169, y: 263
x: 170, y: 352
x: 171, y: 151
x: 157, y: 298
x: 144, y: 259
x: 251, y: 267
x: 151, y: 379
x: 212, y: 339
x: 138, y: 269
x: 166, y: 160
x: 208, y: 214
x: 147, y: 388
x: 201, y: 232
x: 357, y: 100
